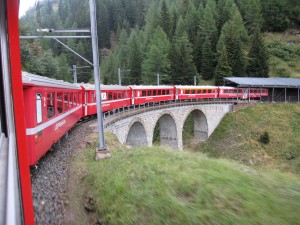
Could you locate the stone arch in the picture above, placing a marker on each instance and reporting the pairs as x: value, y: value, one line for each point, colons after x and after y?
x: 200, y: 124
x: 168, y: 130
x: 137, y: 134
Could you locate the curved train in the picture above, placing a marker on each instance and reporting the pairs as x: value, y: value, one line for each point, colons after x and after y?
x: 54, y: 106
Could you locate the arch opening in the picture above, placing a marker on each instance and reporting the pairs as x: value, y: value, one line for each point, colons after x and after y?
x: 165, y: 132
x: 195, y: 128
x: 137, y: 135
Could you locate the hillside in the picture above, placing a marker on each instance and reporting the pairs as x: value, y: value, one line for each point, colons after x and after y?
x: 162, y: 186
x: 238, y: 137
x: 284, y: 51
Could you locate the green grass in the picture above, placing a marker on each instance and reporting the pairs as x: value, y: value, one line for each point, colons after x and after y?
x: 163, y: 186
x: 237, y: 137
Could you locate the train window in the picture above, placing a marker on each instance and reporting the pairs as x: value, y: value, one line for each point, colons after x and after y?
x: 154, y: 92
x: 167, y: 92
x: 159, y: 92
x: 204, y: 91
x: 115, y: 95
x: 39, y: 114
x: 110, y: 96
x: 59, y: 102
x: 163, y: 92
x: 239, y: 91
x: 120, y: 95
x: 66, y: 101
x: 149, y: 93
x: 143, y: 93
x: 71, y: 100
x: 208, y: 91
x: 50, y: 105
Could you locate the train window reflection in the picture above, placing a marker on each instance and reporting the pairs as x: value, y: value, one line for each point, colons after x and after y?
x: 59, y: 102
x: 50, y: 104
x: 39, y: 114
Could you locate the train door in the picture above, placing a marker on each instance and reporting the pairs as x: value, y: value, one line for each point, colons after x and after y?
x: 246, y: 93
x: 86, y: 95
x: 132, y: 103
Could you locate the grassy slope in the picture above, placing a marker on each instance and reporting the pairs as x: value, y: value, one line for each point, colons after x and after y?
x: 161, y: 186
x: 292, y: 66
x: 237, y: 137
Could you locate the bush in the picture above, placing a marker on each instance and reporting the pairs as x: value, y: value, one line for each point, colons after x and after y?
x: 282, y: 72
x: 264, y: 138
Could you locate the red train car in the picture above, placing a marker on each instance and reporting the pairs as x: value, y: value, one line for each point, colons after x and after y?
x: 147, y: 94
x: 242, y: 93
x: 52, y: 107
x: 195, y: 92
x: 112, y: 96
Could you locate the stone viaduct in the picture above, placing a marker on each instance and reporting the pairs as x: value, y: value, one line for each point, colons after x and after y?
x: 138, y: 130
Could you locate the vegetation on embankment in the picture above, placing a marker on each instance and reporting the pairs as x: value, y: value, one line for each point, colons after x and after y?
x: 161, y: 186
x: 284, y: 53
x: 240, y: 137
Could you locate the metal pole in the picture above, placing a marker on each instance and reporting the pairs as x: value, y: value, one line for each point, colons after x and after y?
x: 74, y: 74
x: 285, y: 95
x: 273, y: 95
x: 195, y: 80
x: 260, y: 94
x: 119, y: 75
x: 158, y: 79
x: 97, y: 74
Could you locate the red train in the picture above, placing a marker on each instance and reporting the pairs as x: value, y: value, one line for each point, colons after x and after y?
x: 53, y: 106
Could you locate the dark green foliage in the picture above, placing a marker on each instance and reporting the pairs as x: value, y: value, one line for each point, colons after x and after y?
x: 226, y: 22
x: 134, y: 60
x: 258, y: 57
x: 223, y: 69
x: 165, y: 22
x: 234, y: 51
x: 157, y: 59
x: 183, y: 69
x: 208, y: 64
x: 264, y: 138
x: 275, y: 15
x: 103, y: 28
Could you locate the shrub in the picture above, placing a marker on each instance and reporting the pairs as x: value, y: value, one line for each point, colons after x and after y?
x: 264, y: 138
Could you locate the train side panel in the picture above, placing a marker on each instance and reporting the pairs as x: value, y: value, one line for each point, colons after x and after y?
x: 50, y: 114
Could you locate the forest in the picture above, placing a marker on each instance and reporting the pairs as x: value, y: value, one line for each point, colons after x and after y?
x: 177, y: 39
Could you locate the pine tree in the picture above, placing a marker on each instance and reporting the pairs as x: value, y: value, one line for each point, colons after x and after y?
x: 208, y: 68
x: 103, y: 28
x: 234, y: 51
x: 258, y: 58
x: 183, y: 68
x: 157, y: 58
x: 165, y: 22
x: 134, y: 59
x: 223, y: 69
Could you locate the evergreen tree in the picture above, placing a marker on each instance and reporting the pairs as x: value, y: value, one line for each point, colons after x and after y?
x: 103, y: 28
x: 157, y: 58
x: 165, y: 22
x: 223, y: 69
x: 134, y: 60
x: 258, y: 58
x: 183, y: 69
x: 274, y: 13
x: 208, y: 67
x: 234, y: 51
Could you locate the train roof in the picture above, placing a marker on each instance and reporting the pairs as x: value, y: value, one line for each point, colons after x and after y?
x: 30, y: 79
x: 142, y: 87
x: 103, y: 87
x: 186, y: 87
